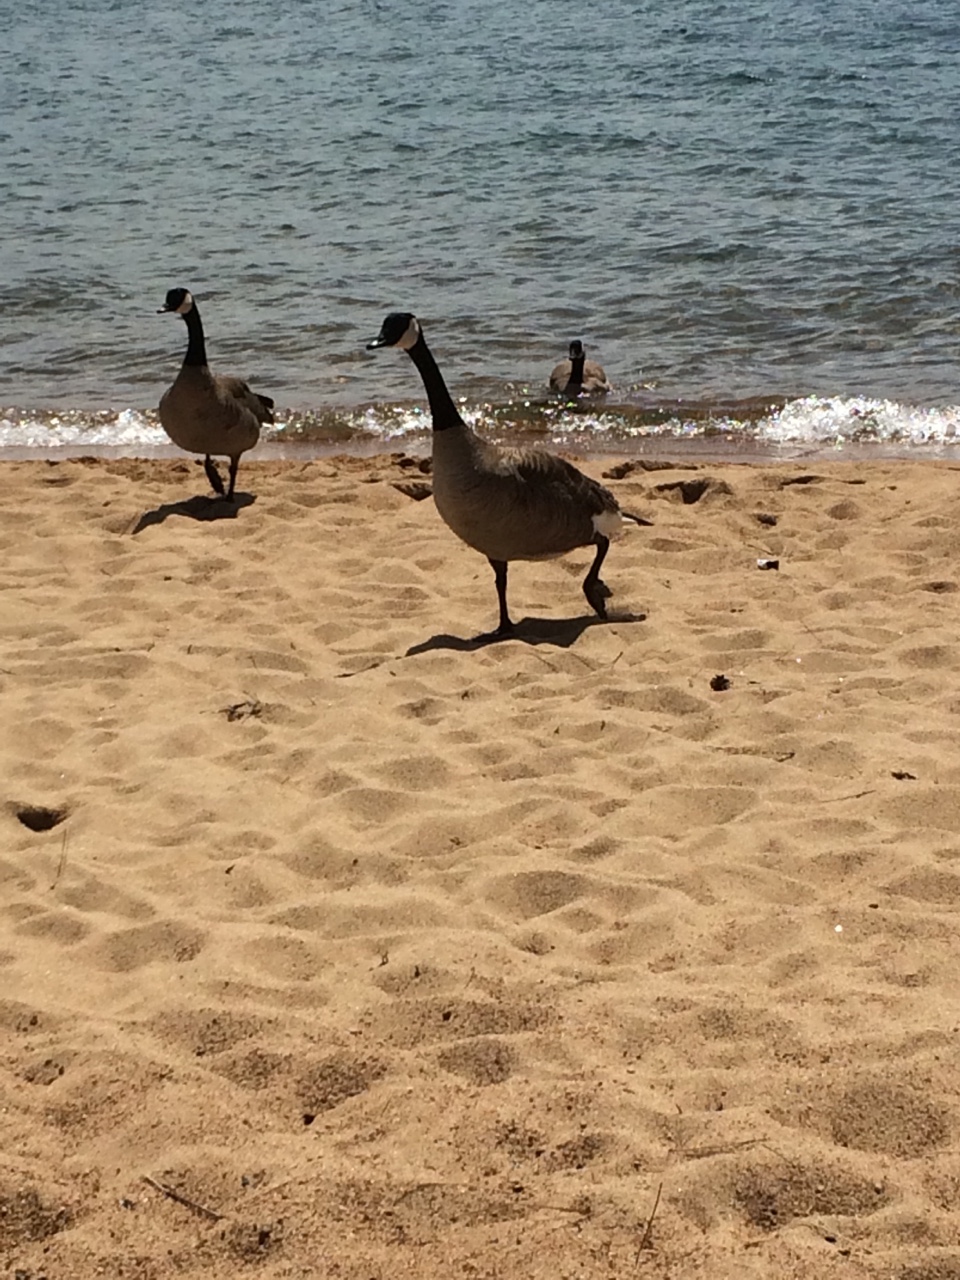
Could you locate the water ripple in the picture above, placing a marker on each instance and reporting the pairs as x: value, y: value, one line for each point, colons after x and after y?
x: 722, y: 201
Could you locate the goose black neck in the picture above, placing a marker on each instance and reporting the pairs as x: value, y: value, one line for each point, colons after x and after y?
x: 442, y: 409
x: 196, y: 348
x: 576, y: 370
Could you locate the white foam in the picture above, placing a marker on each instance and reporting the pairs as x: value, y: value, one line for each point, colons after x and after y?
x: 812, y: 422
x: 128, y: 429
x: 842, y: 420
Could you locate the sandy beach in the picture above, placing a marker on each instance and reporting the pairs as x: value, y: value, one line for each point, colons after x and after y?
x: 335, y: 945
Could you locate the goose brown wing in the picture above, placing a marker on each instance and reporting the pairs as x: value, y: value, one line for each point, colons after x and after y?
x: 238, y: 399
x: 558, y: 480
x: 594, y: 377
x: 561, y: 375
x: 543, y: 505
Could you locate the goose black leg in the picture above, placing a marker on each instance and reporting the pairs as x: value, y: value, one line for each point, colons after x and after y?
x: 500, y: 574
x: 213, y: 475
x: 234, y: 463
x: 595, y: 590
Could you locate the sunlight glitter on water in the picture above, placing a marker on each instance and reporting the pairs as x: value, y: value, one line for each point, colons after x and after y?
x: 817, y: 423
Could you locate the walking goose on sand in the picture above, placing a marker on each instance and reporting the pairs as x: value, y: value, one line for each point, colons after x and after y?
x: 578, y: 376
x: 209, y: 413
x: 508, y: 504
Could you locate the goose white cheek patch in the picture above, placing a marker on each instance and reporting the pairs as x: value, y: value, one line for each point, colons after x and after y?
x: 608, y: 523
x: 185, y: 306
x: 410, y: 337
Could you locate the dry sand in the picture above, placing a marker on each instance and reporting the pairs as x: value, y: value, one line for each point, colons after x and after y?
x: 397, y: 957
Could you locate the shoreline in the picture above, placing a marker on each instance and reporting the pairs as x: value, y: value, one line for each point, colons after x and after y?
x: 655, y: 448
x: 818, y: 428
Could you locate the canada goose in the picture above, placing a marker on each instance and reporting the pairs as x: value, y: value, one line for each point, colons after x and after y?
x: 205, y: 412
x: 508, y: 504
x: 578, y: 375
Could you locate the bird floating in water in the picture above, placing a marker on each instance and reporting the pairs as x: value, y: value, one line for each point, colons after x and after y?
x: 578, y: 376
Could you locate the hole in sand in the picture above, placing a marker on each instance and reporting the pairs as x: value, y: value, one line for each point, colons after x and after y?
x: 693, y: 490
x: 38, y: 817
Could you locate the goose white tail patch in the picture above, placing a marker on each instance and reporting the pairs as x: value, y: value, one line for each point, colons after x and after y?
x: 608, y: 523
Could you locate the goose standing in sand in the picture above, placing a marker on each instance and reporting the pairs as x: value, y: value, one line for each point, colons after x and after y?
x: 577, y: 375
x: 508, y: 504
x: 209, y: 413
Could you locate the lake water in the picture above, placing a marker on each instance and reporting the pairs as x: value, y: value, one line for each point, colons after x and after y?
x: 748, y: 211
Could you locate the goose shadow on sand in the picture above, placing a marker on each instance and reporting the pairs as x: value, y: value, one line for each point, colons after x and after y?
x: 560, y: 632
x: 198, y: 508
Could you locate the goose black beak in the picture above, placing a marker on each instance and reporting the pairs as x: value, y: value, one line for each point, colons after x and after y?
x: 378, y: 341
x: 162, y: 311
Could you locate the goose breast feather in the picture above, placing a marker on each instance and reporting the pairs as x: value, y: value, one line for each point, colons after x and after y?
x: 208, y: 413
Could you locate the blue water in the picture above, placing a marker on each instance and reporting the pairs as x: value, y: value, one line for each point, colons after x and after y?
x: 732, y: 204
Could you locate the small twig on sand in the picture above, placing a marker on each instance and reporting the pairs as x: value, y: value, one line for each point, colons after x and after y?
x: 542, y: 659
x: 856, y: 795
x: 579, y: 656
x: 646, y: 1240
x: 721, y: 1149
x: 173, y: 1194
x: 372, y: 666
x: 63, y: 861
